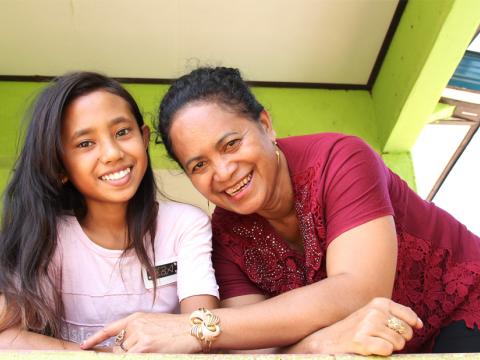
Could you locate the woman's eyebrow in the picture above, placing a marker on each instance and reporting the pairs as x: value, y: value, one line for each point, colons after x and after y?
x: 219, y: 142
x: 222, y: 139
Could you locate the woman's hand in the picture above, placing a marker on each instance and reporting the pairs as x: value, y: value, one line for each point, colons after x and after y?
x: 149, y: 332
x: 365, y: 332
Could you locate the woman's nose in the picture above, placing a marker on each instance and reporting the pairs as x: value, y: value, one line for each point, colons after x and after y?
x: 110, y: 151
x: 224, y: 170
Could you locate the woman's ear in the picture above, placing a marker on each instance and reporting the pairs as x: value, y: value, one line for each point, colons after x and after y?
x: 146, y: 135
x: 266, y: 123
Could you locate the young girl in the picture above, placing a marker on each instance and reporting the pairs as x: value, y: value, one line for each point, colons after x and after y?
x: 83, y: 240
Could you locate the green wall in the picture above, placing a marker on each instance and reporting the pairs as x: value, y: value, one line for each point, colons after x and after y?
x: 294, y: 112
x: 429, y: 42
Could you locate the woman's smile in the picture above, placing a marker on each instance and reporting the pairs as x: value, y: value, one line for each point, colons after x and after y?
x: 239, y: 188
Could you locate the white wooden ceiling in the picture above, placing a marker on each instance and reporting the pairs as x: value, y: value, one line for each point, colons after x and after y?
x: 313, y: 41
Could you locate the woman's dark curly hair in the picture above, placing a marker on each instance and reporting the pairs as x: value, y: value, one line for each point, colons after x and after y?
x: 220, y: 85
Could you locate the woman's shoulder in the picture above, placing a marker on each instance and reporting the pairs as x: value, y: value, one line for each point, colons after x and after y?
x: 310, y: 150
x: 224, y: 221
x: 319, y: 142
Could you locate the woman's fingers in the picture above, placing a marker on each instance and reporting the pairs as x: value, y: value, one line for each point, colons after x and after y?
x: 107, y: 332
x: 376, y: 346
x: 386, y: 327
x: 376, y: 326
x: 397, y: 340
x: 405, y: 330
x: 405, y: 314
x: 128, y: 344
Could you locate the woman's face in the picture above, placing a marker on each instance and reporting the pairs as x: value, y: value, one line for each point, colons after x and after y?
x: 104, y: 150
x: 229, y: 158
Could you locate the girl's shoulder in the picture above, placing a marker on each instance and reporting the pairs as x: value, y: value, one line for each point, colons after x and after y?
x: 180, y: 212
x: 67, y: 224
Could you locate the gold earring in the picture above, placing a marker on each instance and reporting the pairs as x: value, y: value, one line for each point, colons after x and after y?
x: 277, y: 152
x: 64, y: 180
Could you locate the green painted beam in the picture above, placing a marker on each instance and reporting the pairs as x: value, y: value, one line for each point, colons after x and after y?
x: 441, y: 111
x: 425, y: 50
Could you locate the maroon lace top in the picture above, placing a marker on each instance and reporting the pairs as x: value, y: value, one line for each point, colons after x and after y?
x: 340, y: 182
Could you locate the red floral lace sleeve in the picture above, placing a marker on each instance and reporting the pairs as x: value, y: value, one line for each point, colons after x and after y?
x: 225, y: 257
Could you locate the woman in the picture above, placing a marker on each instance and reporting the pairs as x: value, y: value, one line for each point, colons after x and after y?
x: 318, y: 226
x: 320, y: 209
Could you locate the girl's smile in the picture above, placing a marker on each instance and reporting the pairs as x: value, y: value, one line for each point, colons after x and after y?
x: 104, y: 150
x: 118, y: 177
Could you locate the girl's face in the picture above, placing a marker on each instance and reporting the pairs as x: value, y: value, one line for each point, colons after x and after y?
x: 104, y: 150
x: 229, y: 159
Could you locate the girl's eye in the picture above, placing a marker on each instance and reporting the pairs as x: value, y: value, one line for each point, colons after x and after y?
x: 85, y: 144
x: 198, y: 166
x: 123, y: 132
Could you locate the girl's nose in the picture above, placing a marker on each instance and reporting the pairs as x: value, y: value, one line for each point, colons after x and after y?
x: 110, y: 151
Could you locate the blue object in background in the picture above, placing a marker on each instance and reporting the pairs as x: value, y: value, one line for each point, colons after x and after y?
x: 467, y: 74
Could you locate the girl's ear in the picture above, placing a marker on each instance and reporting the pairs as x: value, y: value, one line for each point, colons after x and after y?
x: 266, y: 123
x: 63, y: 177
x: 146, y: 135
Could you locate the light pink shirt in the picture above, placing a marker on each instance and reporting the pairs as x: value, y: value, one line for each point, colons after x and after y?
x: 99, y: 286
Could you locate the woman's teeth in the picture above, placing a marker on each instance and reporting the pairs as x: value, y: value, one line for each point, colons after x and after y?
x: 239, y: 186
x: 117, y: 175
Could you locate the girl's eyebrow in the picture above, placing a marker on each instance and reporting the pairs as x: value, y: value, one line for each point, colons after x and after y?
x: 86, y: 131
x: 219, y: 142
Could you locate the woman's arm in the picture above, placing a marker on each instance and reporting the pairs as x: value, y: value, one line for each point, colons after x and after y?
x: 364, y: 332
x: 360, y: 264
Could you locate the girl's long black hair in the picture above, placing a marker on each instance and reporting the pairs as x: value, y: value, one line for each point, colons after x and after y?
x: 35, y: 198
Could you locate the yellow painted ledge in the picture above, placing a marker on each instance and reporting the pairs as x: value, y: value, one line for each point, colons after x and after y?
x: 80, y: 355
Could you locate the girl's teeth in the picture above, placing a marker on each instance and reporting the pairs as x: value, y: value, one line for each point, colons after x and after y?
x: 117, y: 175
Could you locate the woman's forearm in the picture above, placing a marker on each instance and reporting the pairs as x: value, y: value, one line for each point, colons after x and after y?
x: 356, y: 275
x: 289, y: 317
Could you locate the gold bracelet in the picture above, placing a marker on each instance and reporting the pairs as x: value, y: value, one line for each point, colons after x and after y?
x: 205, y: 327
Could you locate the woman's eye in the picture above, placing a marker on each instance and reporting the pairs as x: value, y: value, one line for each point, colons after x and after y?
x: 123, y: 132
x: 198, y: 166
x: 232, y: 143
x: 85, y: 144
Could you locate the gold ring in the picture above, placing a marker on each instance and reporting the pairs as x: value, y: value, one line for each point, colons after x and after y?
x: 120, y: 338
x: 396, y: 325
x: 122, y: 346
